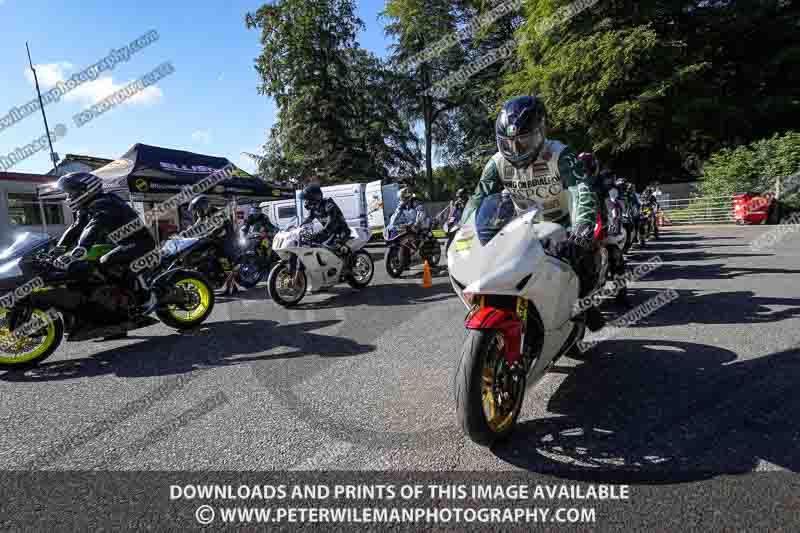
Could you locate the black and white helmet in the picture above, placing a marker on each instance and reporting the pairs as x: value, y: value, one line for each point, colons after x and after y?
x: 80, y: 188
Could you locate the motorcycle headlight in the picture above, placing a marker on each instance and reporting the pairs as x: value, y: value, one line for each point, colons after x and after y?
x: 11, y: 269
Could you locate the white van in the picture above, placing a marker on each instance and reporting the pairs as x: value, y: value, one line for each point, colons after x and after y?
x: 350, y: 198
x: 282, y: 213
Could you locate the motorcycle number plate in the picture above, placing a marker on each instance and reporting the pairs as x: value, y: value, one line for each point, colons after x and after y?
x: 522, y: 309
x: 463, y: 245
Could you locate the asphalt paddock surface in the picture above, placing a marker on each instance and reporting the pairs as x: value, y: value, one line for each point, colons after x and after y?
x: 362, y: 380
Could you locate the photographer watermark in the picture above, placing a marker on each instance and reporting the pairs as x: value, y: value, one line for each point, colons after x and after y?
x: 612, y: 288
x: 445, y: 43
x: 23, y: 332
x: 462, y: 75
x: 116, y: 56
x: 8, y: 300
x: 32, y: 148
x: 120, y: 96
x: 174, y: 202
x: 631, y: 317
x: 769, y: 239
x: 197, y: 231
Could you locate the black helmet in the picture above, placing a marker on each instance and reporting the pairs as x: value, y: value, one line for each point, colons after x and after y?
x: 80, y: 187
x: 462, y: 194
x: 312, y: 196
x: 200, y: 207
x: 520, y: 130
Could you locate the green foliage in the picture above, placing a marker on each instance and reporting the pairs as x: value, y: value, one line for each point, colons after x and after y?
x: 336, y: 119
x: 754, y: 167
x: 655, y: 86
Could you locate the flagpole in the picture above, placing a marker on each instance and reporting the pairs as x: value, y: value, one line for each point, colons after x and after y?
x: 53, y: 155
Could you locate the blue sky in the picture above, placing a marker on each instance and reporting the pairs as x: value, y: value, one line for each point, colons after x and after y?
x: 208, y: 105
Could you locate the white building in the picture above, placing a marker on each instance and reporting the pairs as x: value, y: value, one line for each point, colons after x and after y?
x: 20, y: 210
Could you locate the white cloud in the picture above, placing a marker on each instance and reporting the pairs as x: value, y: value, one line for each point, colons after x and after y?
x: 49, y: 74
x: 150, y: 96
x: 92, y: 92
x: 202, y: 136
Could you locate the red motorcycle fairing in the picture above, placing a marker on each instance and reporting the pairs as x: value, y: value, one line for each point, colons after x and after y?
x: 508, y: 322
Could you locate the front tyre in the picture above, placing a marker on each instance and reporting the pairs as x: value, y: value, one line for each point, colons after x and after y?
x: 199, y: 299
x: 361, y: 270
x: 28, y: 351
x: 395, y: 261
x: 488, y: 394
x: 284, y: 288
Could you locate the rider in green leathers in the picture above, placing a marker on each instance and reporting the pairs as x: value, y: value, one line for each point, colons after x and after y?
x: 532, y: 169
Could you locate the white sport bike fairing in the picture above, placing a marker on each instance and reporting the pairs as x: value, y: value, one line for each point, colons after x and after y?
x: 305, y: 265
x: 521, y: 318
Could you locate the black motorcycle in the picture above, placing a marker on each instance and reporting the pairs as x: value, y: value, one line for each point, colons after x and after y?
x: 41, y: 302
x: 256, y: 259
x: 203, y: 254
x: 406, y: 245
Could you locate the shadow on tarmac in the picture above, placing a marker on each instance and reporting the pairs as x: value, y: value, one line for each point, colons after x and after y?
x: 214, y: 344
x: 654, y: 412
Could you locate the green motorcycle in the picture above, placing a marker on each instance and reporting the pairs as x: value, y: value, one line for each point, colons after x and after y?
x: 41, y: 303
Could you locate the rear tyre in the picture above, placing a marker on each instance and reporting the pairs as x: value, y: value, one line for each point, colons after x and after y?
x: 197, y: 308
x: 29, y: 350
x: 482, y: 378
x: 282, y: 288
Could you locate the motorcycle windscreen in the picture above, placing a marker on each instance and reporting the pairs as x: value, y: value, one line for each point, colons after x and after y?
x: 176, y: 246
x: 499, y: 246
x: 24, y: 244
x: 494, y: 213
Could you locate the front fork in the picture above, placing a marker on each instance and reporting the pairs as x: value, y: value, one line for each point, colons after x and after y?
x: 512, y: 324
x: 294, y: 269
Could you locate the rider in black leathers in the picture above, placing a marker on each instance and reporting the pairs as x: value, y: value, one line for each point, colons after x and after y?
x: 258, y: 221
x: 335, y: 231
x: 97, y: 216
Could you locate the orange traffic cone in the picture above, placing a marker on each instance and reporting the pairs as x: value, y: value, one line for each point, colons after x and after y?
x: 427, y: 282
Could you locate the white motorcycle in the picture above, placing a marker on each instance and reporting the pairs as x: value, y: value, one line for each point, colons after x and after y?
x: 305, y: 265
x: 521, y: 299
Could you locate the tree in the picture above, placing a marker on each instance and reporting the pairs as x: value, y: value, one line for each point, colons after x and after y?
x: 655, y: 86
x: 337, y: 119
x: 416, y: 25
x: 302, y: 66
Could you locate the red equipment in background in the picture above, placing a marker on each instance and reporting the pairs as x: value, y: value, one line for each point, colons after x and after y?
x: 750, y: 208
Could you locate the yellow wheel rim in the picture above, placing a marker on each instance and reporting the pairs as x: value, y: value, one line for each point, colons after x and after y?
x: 26, y: 348
x: 203, y: 293
x: 497, y: 418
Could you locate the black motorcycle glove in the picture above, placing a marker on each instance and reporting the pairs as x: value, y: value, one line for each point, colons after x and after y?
x: 582, y: 236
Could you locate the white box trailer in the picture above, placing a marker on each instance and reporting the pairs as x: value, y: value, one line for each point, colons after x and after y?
x: 382, y: 202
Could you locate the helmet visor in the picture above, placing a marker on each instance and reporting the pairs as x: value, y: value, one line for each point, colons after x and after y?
x: 521, y: 147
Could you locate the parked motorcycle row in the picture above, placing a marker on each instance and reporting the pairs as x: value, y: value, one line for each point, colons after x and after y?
x: 520, y: 299
x: 51, y: 304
